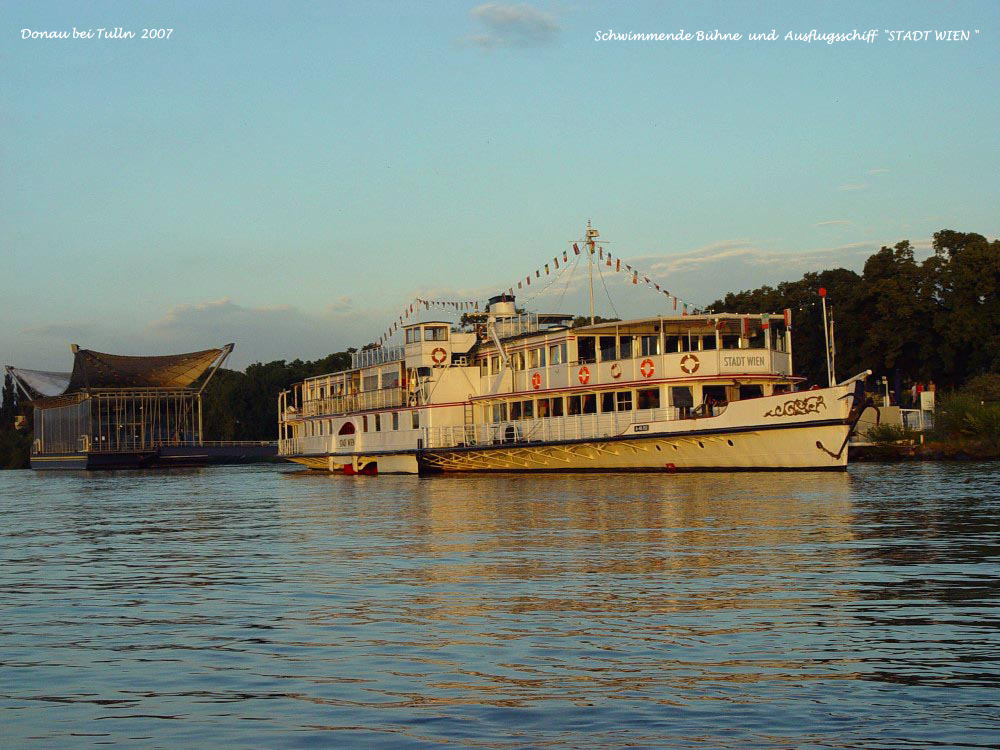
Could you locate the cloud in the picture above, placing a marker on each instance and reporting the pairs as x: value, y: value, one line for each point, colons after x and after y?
x: 833, y: 223
x: 512, y: 25
x: 853, y: 186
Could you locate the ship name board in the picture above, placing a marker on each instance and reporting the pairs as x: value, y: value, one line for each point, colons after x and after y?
x: 747, y: 360
x: 346, y: 442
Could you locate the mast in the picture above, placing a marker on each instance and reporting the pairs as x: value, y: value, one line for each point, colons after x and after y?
x: 591, y: 234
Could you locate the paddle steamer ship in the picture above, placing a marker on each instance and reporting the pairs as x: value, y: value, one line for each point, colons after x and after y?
x: 514, y: 391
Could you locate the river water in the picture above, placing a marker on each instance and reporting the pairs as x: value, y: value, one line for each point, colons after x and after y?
x: 264, y: 607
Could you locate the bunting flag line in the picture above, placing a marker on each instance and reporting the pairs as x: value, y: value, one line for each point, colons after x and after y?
x: 554, y: 269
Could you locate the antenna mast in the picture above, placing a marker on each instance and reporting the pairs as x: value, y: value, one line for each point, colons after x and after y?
x: 591, y: 234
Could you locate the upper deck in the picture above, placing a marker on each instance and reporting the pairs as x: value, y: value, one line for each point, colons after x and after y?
x: 521, y: 354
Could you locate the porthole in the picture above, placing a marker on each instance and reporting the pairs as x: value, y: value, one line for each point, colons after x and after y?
x: 701, y: 444
x: 730, y: 442
x: 658, y: 447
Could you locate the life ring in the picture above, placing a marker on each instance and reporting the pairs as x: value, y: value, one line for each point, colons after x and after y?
x: 536, y: 381
x: 584, y: 375
x: 647, y: 368
x: 690, y: 364
x: 616, y: 371
x: 438, y: 355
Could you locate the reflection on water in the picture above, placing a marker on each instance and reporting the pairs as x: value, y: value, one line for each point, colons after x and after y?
x: 263, y: 607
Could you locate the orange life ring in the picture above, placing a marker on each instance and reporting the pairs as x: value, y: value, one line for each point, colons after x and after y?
x: 584, y: 375
x: 690, y: 364
x: 647, y: 368
x: 616, y: 371
x: 438, y: 355
x: 536, y: 381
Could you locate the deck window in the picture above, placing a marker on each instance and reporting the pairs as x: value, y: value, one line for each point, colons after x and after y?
x: 517, y: 361
x: 390, y: 378
x: 623, y: 400
x: 681, y: 343
x: 625, y: 347
x: 500, y: 412
x: 681, y: 398
x: 607, y: 402
x: 371, y: 382
x: 590, y: 403
x: 412, y: 335
x: 395, y: 420
x: 708, y: 342
x: 647, y: 398
x: 364, y: 423
x: 556, y: 406
x: 751, y: 391
x: 415, y: 420
x: 717, y: 394
x: 608, y: 349
x: 649, y: 345
x: 436, y: 333
x: 378, y: 423
x: 557, y: 354
x: 573, y: 405
x: 731, y: 342
x: 543, y: 408
x: 585, y: 350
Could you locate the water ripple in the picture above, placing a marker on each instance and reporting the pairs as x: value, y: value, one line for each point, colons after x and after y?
x: 265, y: 607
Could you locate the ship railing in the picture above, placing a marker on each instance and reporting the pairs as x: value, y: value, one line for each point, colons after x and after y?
x: 384, y: 398
x: 378, y: 356
x: 576, y: 427
x: 509, y: 327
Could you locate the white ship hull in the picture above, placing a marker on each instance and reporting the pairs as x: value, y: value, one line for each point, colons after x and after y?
x: 792, y: 431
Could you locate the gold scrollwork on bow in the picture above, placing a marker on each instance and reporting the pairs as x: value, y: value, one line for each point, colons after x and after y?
x: 797, y: 407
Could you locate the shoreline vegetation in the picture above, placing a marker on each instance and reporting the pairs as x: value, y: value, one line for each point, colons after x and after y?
x: 909, y: 322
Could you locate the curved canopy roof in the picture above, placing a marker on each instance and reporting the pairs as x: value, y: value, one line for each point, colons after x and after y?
x: 98, y: 370
x: 41, y: 382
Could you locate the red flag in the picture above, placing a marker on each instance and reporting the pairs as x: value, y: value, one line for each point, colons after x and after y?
x: 744, y: 327
x: 600, y: 253
x: 576, y: 249
x: 538, y: 274
x: 609, y: 260
x: 565, y: 256
x: 556, y: 261
x: 675, y: 303
x: 635, y: 277
x: 528, y: 280
x: 546, y: 269
x: 618, y: 264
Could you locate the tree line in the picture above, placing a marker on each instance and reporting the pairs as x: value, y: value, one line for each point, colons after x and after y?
x: 935, y: 320
x: 932, y: 321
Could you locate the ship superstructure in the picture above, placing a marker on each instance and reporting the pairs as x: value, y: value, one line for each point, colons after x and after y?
x: 517, y: 391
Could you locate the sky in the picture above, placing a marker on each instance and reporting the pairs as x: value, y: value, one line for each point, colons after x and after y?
x: 289, y: 176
